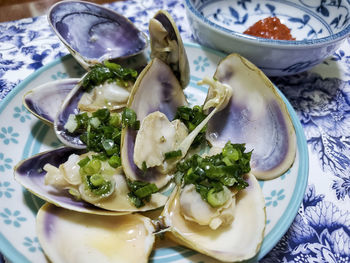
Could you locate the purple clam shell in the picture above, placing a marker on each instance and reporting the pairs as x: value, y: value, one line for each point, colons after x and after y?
x: 30, y: 174
x: 257, y: 116
x: 180, y: 67
x: 163, y: 94
x: 95, y: 32
x: 69, y: 106
x: 45, y: 101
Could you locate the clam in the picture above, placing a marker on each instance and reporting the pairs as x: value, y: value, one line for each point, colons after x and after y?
x: 93, y: 33
x: 257, y: 116
x: 68, y: 236
x: 45, y: 100
x: 236, y: 241
x: 166, y: 44
x: 156, y: 89
x: 91, y: 94
x: 42, y: 176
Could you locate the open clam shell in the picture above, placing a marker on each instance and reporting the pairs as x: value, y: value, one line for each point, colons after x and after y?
x: 93, y: 33
x: 30, y: 174
x: 45, y: 101
x: 240, y: 240
x: 167, y: 45
x: 67, y: 107
x: 257, y: 116
x: 156, y: 89
x: 67, y: 236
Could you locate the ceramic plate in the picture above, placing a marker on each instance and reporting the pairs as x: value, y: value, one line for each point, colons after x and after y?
x: 22, y: 135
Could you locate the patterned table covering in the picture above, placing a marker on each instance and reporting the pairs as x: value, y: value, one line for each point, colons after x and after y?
x: 321, y: 98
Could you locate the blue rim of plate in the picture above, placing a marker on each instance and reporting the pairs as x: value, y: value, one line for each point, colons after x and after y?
x: 276, y: 233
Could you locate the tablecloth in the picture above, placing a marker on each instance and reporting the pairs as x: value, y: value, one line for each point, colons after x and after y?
x: 321, y: 98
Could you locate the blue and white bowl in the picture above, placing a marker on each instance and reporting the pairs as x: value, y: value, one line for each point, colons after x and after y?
x: 319, y: 27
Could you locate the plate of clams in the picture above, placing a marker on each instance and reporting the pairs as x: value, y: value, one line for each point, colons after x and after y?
x: 154, y: 151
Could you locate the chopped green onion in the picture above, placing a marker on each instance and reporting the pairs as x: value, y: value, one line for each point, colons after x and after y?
x: 192, y: 117
x: 71, y: 124
x: 100, y: 156
x: 114, y: 161
x: 172, y: 154
x: 146, y: 190
x: 108, y: 72
x: 135, y: 200
x: 129, y: 119
x: 92, y: 167
x: 95, y: 122
x: 97, y: 179
x: 102, y: 189
x: 212, y: 173
x: 108, y: 145
x: 101, y: 114
x: 216, y: 199
x: 84, y: 161
x: 114, y: 120
x: 140, y: 192
x: 144, y: 166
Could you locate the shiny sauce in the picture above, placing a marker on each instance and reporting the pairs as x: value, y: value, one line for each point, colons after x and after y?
x: 270, y: 27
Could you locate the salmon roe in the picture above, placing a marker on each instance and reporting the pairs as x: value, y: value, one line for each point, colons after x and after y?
x: 270, y: 27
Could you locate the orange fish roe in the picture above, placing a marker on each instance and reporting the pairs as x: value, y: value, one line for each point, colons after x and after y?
x: 270, y: 27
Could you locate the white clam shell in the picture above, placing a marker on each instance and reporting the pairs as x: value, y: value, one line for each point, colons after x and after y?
x: 67, y: 236
x: 236, y: 242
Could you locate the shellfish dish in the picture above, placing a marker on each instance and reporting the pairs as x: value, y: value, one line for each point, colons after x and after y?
x: 140, y: 164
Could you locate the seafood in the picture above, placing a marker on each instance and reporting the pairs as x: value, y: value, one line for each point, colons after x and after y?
x: 216, y: 206
x: 256, y: 115
x: 167, y: 95
x: 68, y: 236
x: 93, y: 33
x: 44, y: 101
x: 166, y: 44
x: 32, y: 173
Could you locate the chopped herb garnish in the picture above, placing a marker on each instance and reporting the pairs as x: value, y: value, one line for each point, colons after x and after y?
x: 144, y: 166
x: 109, y: 72
x: 172, y: 154
x: 115, y: 161
x: 192, y: 117
x: 92, y: 167
x: 101, y: 132
x: 129, y: 119
x: 96, y: 180
x: 84, y: 162
x: 140, y: 192
x: 209, y: 174
x: 96, y: 184
x: 146, y: 190
x: 217, y: 198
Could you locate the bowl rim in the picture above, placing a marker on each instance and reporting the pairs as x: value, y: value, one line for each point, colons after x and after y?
x: 265, y: 41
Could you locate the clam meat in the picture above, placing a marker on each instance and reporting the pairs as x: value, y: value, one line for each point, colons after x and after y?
x: 105, y: 86
x: 234, y: 232
x: 166, y: 96
x: 58, y: 177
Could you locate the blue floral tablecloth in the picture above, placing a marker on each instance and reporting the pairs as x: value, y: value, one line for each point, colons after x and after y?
x: 321, y: 98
